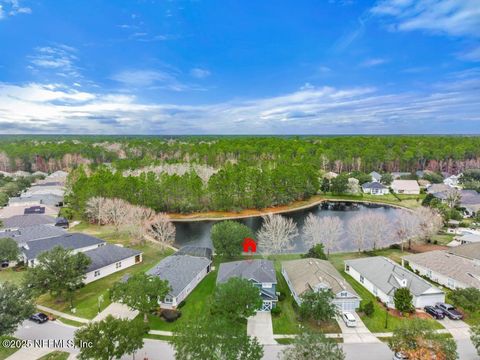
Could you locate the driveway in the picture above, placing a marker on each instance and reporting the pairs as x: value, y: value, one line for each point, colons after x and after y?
x: 461, y: 333
x: 358, y: 334
x: 117, y: 310
x: 260, y: 326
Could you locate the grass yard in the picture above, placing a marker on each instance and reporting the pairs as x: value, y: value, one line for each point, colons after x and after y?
x: 197, y: 303
x: 6, y: 352
x: 442, y: 238
x: 408, y: 201
x: 86, y: 299
x: 10, y: 275
x: 56, y: 355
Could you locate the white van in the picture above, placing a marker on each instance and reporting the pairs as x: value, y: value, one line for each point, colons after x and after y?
x: 349, y: 319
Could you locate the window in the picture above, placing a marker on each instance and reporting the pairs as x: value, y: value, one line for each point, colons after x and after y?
x: 361, y: 279
x: 118, y: 265
x: 96, y: 273
x: 168, y: 300
x: 343, y: 294
x: 266, y: 285
x: 347, y: 268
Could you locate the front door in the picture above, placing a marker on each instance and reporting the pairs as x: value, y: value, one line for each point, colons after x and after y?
x: 267, y: 306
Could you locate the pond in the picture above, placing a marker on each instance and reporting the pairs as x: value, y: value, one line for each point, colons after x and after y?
x: 198, y: 232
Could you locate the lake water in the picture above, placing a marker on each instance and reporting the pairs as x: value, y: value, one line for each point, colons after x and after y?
x: 198, y: 232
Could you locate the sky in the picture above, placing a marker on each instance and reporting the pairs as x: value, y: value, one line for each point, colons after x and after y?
x: 240, y: 67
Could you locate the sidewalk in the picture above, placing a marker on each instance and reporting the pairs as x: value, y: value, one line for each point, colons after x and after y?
x: 63, y: 315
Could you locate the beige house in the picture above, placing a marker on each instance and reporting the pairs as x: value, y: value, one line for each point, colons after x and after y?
x: 310, y: 274
x: 409, y: 187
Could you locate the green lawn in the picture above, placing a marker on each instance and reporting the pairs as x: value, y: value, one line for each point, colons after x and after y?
x: 10, y: 275
x: 56, y: 355
x: 86, y: 299
x: 408, y: 201
x: 442, y: 238
x: 6, y: 352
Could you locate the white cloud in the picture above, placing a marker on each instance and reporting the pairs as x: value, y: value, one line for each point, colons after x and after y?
x: 12, y: 8
x: 449, y: 17
x: 152, y: 78
x: 59, y: 59
x: 200, y: 73
x: 472, y: 54
x: 373, y: 62
x: 316, y: 110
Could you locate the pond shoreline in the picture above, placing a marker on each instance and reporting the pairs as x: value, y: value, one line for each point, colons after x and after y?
x: 305, y: 204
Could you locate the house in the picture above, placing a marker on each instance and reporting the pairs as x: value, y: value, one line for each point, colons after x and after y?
x: 469, y: 200
x: 21, y: 173
x: 438, y: 188
x: 376, y: 177
x: 44, y: 190
x: 39, y: 174
x: 405, y: 187
x: 260, y: 272
x: 375, y: 188
x: 310, y: 274
x: 457, y: 268
x: 21, y: 221
x: 382, y: 276
x: 452, y: 180
x: 398, y: 175
x: 468, y: 237
x: 330, y: 175
x: 43, y: 199
x: 31, y: 233
x: 76, y: 242
x: 183, y: 270
x: 9, y: 211
x: 108, y: 259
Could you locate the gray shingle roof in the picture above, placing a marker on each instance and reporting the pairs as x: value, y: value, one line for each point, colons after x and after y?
x: 375, y: 175
x: 108, y: 254
x: 386, y: 274
x: 374, y: 185
x: 46, y: 199
x: 179, y: 271
x: 198, y: 251
x: 21, y: 221
x: 32, y: 233
x: 259, y: 270
x: 68, y: 241
x: 470, y: 251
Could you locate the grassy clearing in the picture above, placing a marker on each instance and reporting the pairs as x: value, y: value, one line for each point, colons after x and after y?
x: 158, y: 337
x: 86, y: 303
x: 56, y: 355
x: 407, y: 201
x: 6, y: 352
x: 11, y: 275
x: 442, y: 238
x: 70, y: 322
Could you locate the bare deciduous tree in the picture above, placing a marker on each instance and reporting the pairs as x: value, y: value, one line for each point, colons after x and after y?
x: 357, y: 227
x: 137, y: 219
x: 378, y: 228
x: 276, y: 234
x: 453, y: 197
x: 95, y: 210
x: 116, y: 211
x: 162, y: 229
x: 429, y: 222
x: 326, y: 230
x: 406, y: 227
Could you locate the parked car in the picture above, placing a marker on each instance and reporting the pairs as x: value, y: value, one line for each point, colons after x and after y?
x: 449, y: 311
x: 4, y: 264
x: 435, y: 312
x: 39, y: 318
x: 349, y: 319
x: 400, y: 356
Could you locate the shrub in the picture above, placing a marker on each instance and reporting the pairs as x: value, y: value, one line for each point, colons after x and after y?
x: 368, y: 308
x: 468, y: 299
x: 276, y: 311
x: 281, y: 296
x: 182, y: 304
x: 170, y: 315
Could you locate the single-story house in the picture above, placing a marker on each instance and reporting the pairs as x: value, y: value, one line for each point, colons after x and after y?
x: 330, y: 175
x: 382, y: 276
x: 108, y: 259
x: 183, y: 273
x: 375, y: 188
x: 10, y: 211
x: 399, y: 174
x: 446, y: 268
x: 468, y: 237
x: 405, y: 187
x: 438, y: 188
x: 452, y: 180
x: 310, y: 274
x: 469, y: 200
x: 39, y: 173
x: 375, y: 176
x: 44, y: 199
x: 31, y: 233
x: 260, y: 272
x: 21, y: 221
x: 76, y: 242
x: 44, y: 190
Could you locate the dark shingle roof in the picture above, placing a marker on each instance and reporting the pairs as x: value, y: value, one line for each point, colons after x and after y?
x: 374, y: 185
x: 69, y: 241
x: 179, y: 271
x: 107, y: 255
x: 198, y: 251
x: 21, y: 221
x: 32, y: 233
x: 259, y: 270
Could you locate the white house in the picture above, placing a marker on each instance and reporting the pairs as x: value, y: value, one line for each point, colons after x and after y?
x: 183, y: 270
x: 108, y: 259
x: 382, y: 277
x: 375, y: 188
x: 375, y: 176
x: 452, y: 180
x: 305, y: 275
x: 409, y: 187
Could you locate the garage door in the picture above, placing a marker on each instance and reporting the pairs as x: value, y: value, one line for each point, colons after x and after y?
x: 425, y: 300
x: 349, y: 306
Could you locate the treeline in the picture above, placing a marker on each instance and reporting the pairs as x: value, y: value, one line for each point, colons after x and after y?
x: 337, y: 153
x: 234, y: 187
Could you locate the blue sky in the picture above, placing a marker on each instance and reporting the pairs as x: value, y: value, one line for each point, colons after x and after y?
x: 240, y: 67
